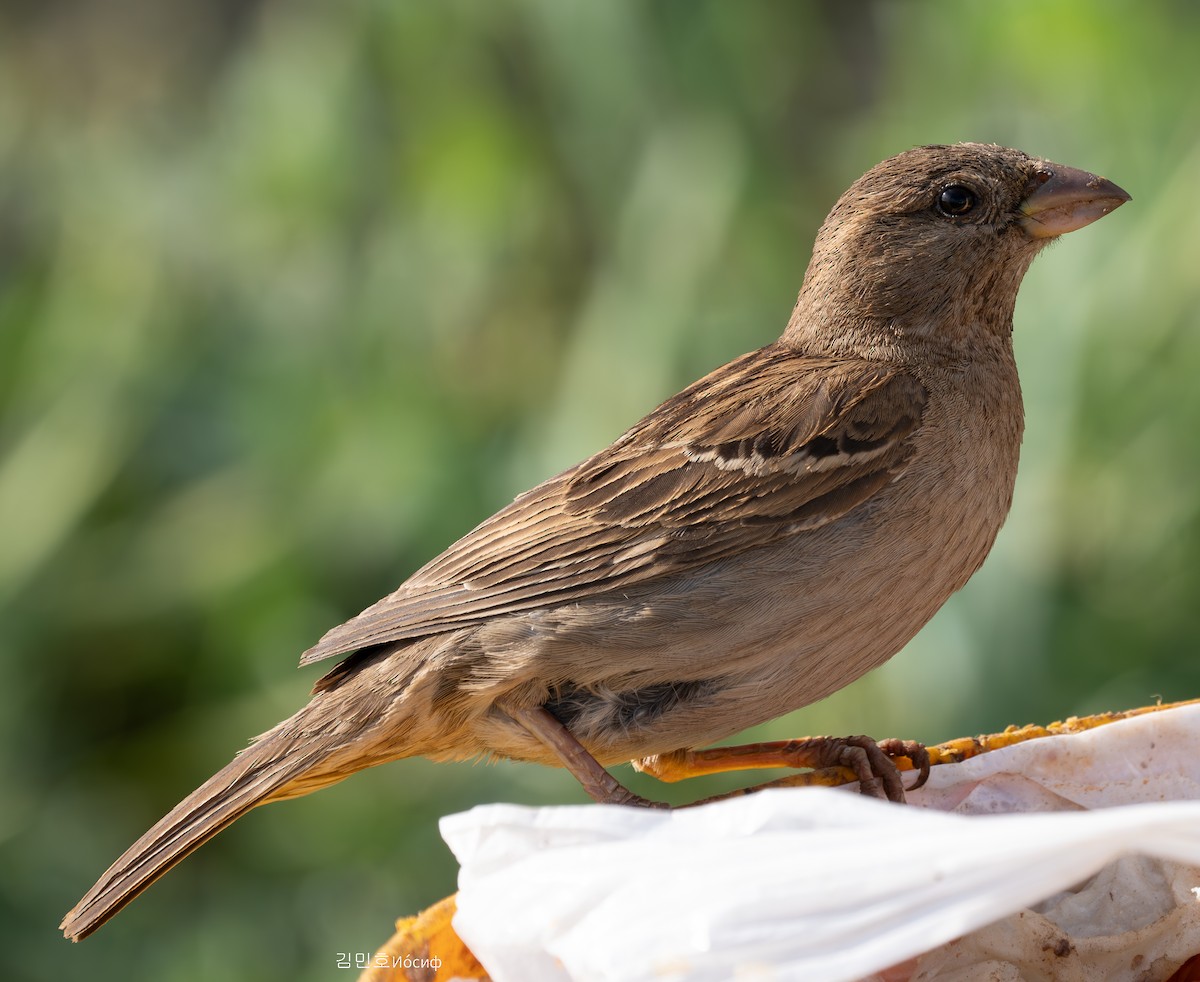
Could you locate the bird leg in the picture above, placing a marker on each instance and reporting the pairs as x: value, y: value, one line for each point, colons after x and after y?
x: 596, y: 781
x: 873, y: 763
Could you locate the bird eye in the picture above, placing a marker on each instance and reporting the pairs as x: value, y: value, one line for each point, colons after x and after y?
x: 955, y: 200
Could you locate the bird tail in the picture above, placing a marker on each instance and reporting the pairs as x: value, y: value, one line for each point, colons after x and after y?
x: 283, y: 763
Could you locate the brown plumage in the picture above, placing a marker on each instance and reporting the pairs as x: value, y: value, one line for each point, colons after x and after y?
x: 760, y: 540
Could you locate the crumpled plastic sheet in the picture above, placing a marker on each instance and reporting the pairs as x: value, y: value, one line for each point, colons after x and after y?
x: 1066, y: 858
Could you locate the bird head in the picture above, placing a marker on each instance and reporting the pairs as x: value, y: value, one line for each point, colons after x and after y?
x: 933, y: 243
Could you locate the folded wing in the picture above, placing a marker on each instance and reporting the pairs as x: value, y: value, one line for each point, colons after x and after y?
x: 774, y: 444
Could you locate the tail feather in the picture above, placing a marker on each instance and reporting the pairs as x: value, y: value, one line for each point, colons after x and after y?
x: 277, y: 766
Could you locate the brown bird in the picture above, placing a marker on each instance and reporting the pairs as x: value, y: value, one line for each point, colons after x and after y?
x: 760, y: 540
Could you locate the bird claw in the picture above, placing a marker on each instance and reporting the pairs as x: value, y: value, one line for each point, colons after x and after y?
x: 917, y: 754
x: 873, y: 764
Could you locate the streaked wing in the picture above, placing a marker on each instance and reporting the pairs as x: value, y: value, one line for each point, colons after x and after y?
x: 768, y: 446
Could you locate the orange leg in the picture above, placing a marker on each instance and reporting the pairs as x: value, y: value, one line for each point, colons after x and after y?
x: 873, y: 764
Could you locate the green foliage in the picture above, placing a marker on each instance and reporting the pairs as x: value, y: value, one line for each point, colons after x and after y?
x: 291, y: 295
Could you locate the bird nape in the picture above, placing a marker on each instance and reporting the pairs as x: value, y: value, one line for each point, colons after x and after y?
x: 758, y: 541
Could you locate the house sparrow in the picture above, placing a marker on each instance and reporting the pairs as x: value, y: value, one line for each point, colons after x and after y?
x: 760, y: 540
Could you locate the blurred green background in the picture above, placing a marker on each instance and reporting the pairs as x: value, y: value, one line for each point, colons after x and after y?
x: 293, y: 294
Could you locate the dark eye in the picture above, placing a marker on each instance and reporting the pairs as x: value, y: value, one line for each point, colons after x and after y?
x: 955, y: 200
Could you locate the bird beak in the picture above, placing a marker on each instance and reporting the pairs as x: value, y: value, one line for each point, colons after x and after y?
x: 1067, y: 199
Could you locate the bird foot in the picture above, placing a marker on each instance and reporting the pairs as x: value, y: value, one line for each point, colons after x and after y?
x: 871, y: 762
